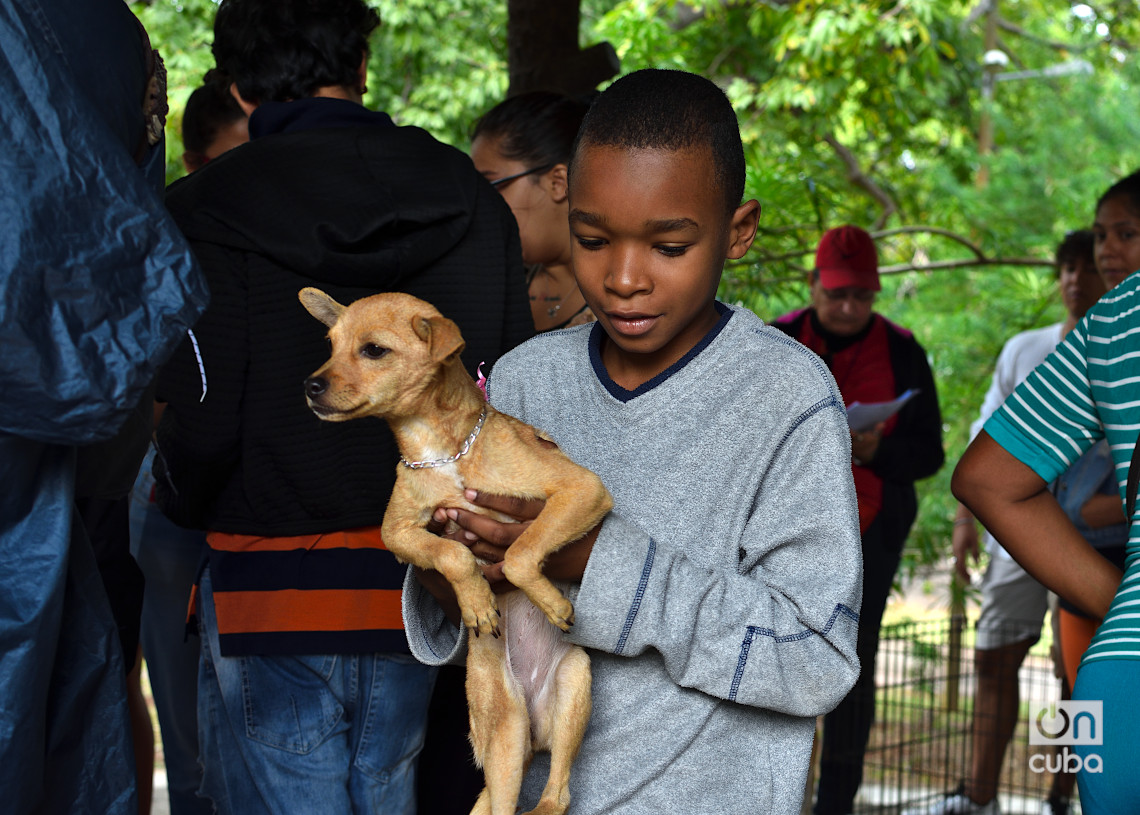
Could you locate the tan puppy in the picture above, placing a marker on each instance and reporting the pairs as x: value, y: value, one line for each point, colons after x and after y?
x: 396, y: 357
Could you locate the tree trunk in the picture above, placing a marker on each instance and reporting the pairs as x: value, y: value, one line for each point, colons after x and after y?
x: 543, y: 52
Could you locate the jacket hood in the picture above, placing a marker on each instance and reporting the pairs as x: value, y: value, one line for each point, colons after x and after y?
x: 284, y: 196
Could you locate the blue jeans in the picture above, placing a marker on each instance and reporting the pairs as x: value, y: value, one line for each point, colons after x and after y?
x: 335, y: 733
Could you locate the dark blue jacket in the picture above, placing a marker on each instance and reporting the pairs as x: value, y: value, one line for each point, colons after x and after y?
x: 97, y: 286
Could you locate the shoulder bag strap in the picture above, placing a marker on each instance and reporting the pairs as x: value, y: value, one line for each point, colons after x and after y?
x: 1133, y: 482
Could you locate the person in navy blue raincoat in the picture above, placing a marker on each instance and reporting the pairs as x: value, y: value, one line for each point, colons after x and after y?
x: 97, y: 287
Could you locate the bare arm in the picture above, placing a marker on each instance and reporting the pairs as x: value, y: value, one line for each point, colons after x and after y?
x: 1015, y: 505
x: 1102, y: 510
x: 964, y: 540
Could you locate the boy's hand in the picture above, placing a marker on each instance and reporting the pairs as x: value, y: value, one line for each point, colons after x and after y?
x: 489, y: 539
x: 964, y: 540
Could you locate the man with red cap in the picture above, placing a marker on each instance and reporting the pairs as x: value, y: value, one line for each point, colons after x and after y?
x: 873, y: 360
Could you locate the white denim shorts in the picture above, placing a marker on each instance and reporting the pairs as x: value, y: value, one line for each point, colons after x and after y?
x: 1013, y: 605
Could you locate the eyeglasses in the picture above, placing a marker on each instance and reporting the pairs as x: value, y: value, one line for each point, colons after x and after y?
x: 499, y: 183
x: 859, y: 295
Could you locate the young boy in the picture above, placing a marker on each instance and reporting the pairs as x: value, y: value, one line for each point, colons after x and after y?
x: 717, y: 599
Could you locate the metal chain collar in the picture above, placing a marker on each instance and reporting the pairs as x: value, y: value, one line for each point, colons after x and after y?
x: 441, y: 462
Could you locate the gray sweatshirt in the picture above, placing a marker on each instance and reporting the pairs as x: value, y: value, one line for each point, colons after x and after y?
x: 720, y: 602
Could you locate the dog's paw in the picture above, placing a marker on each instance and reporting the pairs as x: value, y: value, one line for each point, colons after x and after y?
x: 557, y: 609
x: 482, y: 617
x: 543, y: 594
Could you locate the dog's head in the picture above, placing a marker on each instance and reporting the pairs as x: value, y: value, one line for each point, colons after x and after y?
x: 386, y: 350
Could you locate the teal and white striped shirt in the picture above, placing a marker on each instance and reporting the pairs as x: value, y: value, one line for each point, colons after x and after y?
x: 1087, y: 389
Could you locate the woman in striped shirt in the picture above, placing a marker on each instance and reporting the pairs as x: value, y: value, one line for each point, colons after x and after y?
x: 1087, y: 389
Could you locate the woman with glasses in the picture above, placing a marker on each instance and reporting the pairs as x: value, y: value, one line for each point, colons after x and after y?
x: 522, y: 146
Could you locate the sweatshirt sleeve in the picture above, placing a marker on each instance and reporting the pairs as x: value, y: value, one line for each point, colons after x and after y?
x: 777, y: 631
x: 432, y: 638
x: 198, y: 438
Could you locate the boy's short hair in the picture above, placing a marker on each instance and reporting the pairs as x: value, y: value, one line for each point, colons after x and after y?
x: 278, y: 50
x: 671, y: 110
x: 209, y: 108
x: 1077, y: 247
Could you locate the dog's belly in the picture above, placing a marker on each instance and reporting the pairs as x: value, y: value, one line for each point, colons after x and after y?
x: 534, y: 649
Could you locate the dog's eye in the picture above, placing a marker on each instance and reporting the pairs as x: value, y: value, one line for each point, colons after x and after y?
x: 373, y: 351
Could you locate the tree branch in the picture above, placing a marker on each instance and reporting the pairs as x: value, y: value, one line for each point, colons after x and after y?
x: 979, y: 257
x: 977, y: 11
x: 860, y: 179
x: 1013, y: 28
x: 964, y: 263
x: 933, y: 230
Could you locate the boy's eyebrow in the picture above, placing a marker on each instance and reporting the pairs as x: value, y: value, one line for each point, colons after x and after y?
x: 586, y: 218
x: 671, y: 225
x: 654, y: 226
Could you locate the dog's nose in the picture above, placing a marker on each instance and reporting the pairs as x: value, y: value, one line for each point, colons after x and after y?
x: 315, y: 386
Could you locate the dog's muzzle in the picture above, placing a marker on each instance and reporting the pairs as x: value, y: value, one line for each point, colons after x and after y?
x: 316, y: 387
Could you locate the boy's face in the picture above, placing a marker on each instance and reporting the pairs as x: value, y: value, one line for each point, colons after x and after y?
x: 649, y: 239
x: 1080, y: 285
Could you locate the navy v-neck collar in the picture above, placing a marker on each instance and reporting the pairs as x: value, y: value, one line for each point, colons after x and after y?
x: 597, y: 333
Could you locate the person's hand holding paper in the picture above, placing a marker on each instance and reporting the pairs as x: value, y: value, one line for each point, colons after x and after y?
x: 863, y: 417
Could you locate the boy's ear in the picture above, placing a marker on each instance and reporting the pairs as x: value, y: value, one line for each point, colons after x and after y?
x: 742, y: 228
x: 362, y: 74
x: 247, y: 105
x: 557, y: 183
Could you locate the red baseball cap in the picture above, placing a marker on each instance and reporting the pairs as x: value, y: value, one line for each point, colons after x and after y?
x: 846, y: 257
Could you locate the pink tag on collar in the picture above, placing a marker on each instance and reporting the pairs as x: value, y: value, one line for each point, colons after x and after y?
x: 481, y: 381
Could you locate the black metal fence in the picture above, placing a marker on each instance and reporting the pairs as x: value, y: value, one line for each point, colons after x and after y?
x: 921, y: 745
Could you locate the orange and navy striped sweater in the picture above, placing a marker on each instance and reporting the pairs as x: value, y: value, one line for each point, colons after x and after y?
x: 330, y: 593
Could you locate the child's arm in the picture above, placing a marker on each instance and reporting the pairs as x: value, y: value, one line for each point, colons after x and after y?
x: 775, y: 630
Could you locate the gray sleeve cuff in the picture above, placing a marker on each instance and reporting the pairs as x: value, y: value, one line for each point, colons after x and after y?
x: 431, y: 636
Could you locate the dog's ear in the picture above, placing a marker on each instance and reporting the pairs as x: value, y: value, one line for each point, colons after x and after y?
x: 441, y: 335
x: 320, y: 305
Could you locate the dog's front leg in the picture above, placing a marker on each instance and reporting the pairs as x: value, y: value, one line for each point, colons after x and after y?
x: 572, y: 509
x: 407, y: 539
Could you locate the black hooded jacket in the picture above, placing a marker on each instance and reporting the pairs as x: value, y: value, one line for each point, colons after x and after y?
x: 331, y: 195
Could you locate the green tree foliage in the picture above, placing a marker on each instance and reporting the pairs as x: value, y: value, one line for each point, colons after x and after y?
x: 852, y: 111
x: 868, y: 113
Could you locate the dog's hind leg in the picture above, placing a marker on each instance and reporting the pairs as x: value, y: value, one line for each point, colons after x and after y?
x: 562, y: 728
x: 500, y: 726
